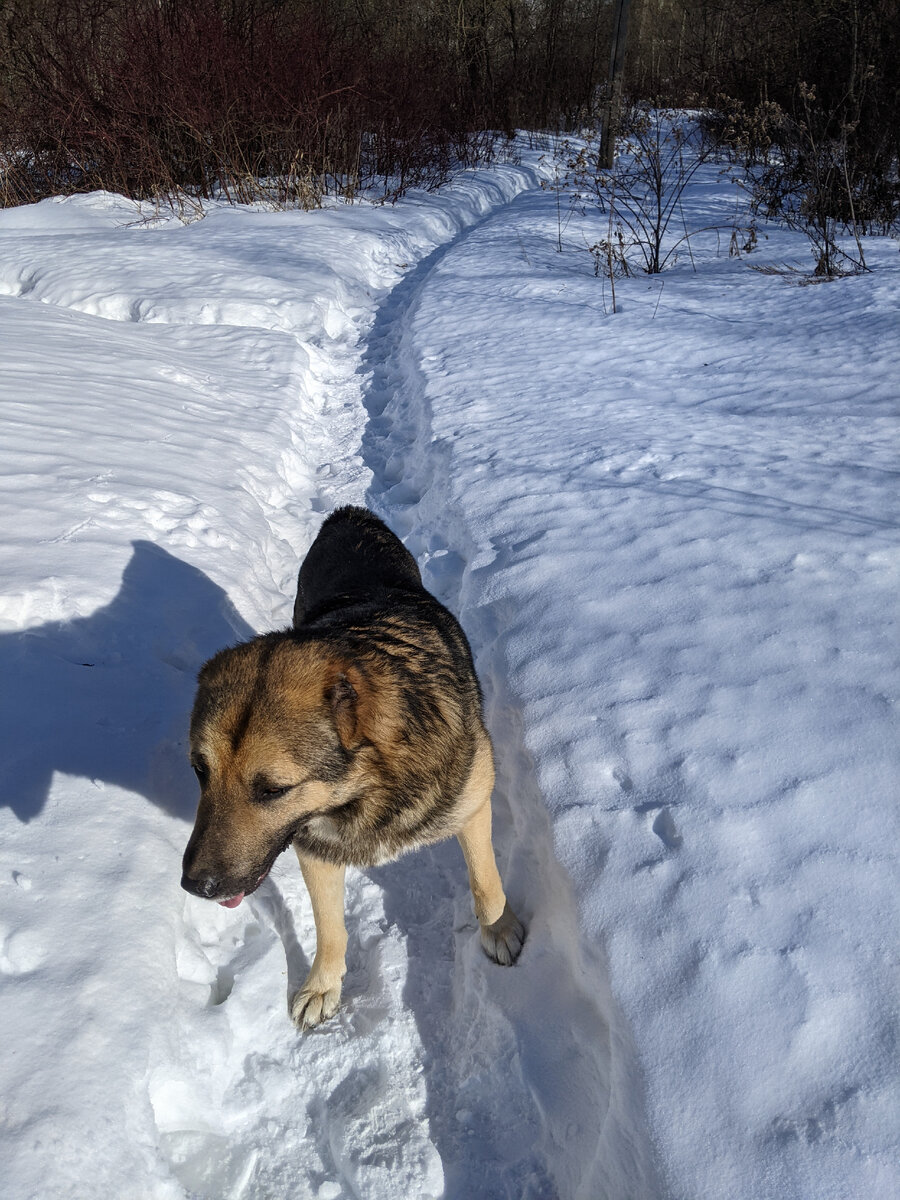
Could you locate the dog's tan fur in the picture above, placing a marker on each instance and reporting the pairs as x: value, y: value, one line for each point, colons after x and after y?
x: 356, y: 736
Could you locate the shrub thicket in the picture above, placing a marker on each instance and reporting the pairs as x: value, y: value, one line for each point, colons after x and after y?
x: 818, y: 79
x: 291, y: 98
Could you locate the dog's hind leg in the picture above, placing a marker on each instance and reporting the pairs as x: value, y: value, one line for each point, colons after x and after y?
x: 320, y: 995
x: 502, y: 933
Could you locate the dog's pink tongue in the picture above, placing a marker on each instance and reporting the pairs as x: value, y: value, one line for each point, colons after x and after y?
x: 233, y: 902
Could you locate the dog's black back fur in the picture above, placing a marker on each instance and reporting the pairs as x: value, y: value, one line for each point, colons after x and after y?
x: 355, y: 555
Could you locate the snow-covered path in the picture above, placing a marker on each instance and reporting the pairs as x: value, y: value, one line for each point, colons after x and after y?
x: 671, y: 535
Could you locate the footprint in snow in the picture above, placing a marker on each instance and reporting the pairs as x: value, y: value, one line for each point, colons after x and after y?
x: 21, y: 951
x: 665, y: 829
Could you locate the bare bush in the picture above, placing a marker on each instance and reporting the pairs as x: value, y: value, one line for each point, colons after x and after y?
x: 800, y: 172
x: 757, y: 64
x: 642, y: 193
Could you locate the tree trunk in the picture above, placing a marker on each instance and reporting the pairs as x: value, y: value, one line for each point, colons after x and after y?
x: 613, y: 104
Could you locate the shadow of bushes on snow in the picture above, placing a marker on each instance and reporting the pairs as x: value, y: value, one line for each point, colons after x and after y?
x: 108, y: 696
x: 742, y: 503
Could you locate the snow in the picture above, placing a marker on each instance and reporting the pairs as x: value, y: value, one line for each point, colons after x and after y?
x: 671, y: 535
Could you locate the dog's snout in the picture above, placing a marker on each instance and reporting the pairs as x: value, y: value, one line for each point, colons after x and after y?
x: 204, y: 886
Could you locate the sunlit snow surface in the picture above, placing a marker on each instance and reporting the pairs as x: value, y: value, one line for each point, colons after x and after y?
x: 672, y: 536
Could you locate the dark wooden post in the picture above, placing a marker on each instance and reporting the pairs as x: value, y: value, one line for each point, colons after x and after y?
x: 613, y: 104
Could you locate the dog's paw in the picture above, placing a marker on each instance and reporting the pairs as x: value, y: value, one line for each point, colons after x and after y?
x: 311, y: 1005
x: 503, y: 940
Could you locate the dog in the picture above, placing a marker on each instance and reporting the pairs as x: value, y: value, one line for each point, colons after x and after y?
x: 355, y: 736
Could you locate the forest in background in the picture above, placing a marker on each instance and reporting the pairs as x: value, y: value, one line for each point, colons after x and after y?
x: 291, y: 100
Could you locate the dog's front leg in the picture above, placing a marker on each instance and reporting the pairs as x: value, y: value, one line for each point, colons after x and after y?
x: 502, y: 933
x: 320, y: 996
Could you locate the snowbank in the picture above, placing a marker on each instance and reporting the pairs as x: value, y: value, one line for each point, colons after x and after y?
x: 671, y: 534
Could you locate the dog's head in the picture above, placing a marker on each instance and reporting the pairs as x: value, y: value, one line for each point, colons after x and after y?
x: 276, y: 727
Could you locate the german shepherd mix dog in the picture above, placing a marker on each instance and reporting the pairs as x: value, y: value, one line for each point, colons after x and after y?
x: 354, y: 736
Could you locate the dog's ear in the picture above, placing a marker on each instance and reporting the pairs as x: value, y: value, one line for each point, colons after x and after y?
x: 345, y: 693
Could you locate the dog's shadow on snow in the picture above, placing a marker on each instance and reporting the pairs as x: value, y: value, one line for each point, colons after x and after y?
x: 108, y: 696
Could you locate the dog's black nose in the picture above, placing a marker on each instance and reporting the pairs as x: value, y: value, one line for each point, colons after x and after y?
x: 206, y: 886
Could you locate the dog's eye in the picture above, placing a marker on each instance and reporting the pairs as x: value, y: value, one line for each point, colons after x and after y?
x: 271, y: 793
x: 201, y: 770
